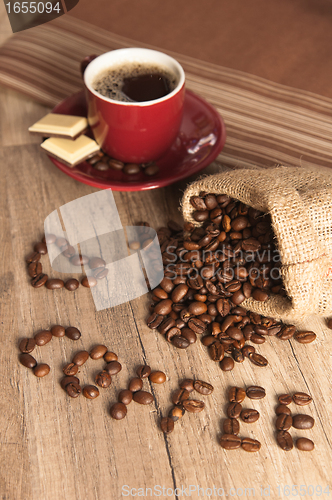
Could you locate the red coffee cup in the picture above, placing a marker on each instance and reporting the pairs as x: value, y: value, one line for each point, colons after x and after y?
x: 136, y: 132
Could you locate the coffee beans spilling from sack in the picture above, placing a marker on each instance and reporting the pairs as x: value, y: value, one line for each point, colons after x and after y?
x: 209, y: 271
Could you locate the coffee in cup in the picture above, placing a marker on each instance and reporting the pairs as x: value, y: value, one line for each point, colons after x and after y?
x: 135, y: 82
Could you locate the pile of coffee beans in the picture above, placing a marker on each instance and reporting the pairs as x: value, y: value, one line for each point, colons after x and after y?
x: 104, y: 163
x: 71, y: 384
x: 285, y: 421
x: 209, y: 271
x: 135, y: 392
x: 39, y: 279
x: 230, y: 440
x: 183, y: 404
x: 27, y: 345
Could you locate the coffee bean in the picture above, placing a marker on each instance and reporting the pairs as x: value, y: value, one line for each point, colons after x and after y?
x: 72, y: 284
x: 193, y: 405
x: 250, y: 445
x: 173, y: 332
x: 33, y: 257
x: 301, y: 399
x: 167, y: 425
x: 305, y: 337
x: 163, y: 307
x: 176, y: 412
x: 39, y: 280
x: 73, y: 389
x: 216, y: 351
x: 96, y: 262
x: 68, y: 251
x: 89, y: 282
x: 115, y: 164
x: 98, y: 352
x: 203, y: 387
x: 110, y: 356
x: 285, y: 399
x: 329, y: 323
x: 27, y: 345
x: 118, y: 411
x: 61, y: 242
x: 302, y: 421
x: 197, y: 326
x: 157, y: 377
x: 284, y: 440
x: 179, y: 292
x: 125, y: 396
x: 236, y: 395
x: 131, y: 169
x: 255, y: 392
x: 70, y: 369
x: 80, y: 358
x: 143, y: 371
x: 231, y: 426
x: 113, y: 367
x: 187, y: 384
x: 260, y: 295
x: 49, y: 239
x: 257, y: 339
x: 143, y: 397
x: 166, y: 324
x: 180, y: 395
x: 151, y: 170
x: 247, y: 349
x: 284, y: 422
x: 283, y: 409
x: 304, y: 444
x: 226, y: 364
x: 258, y: 359
x: 237, y: 355
x: 100, y: 273
x: 41, y: 370
x: 197, y: 308
x: 72, y: 333
x: 79, y: 260
x: 234, y: 333
x: 103, y: 379
x: 90, y: 391
x: 180, y: 342
x: 249, y: 415
x: 40, y: 248
x: 189, y: 335
x: 43, y: 337
x: 54, y: 284
x: 34, y: 268
x: 155, y: 320
x: 68, y: 380
x: 234, y: 410
x: 230, y: 441
x: 287, y: 332
x: 58, y: 331
x: 135, y: 384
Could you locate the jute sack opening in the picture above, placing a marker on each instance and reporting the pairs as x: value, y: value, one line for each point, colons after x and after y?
x: 299, y: 201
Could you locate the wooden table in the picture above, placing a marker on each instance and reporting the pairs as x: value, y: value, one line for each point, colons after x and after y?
x: 55, y: 447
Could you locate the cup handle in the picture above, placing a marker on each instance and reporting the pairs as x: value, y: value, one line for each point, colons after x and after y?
x: 86, y: 61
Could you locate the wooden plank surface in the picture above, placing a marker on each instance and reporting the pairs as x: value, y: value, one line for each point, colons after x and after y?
x: 56, y: 447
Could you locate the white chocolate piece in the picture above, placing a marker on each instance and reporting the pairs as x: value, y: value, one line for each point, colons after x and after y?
x: 70, y: 152
x: 54, y: 125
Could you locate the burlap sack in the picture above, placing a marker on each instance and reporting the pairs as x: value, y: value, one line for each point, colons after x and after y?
x: 299, y: 201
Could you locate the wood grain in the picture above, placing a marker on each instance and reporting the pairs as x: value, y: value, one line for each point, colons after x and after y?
x: 56, y: 447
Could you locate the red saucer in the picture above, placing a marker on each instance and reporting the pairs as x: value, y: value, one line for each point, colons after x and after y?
x: 201, y: 137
